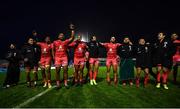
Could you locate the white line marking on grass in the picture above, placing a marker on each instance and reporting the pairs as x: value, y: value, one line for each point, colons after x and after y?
x: 33, y: 98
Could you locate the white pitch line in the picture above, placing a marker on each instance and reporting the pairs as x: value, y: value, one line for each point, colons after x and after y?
x: 33, y: 98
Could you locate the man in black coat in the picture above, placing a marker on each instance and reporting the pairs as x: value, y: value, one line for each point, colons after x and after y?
x: 93, y: 48
x: 143, y: 61
x: 163, y: 52
x: 126, y: 52
x: 31, y: 56
x: 13, y: 70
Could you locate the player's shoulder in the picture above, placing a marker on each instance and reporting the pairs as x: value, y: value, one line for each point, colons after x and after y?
x: 118, y: 44
x: 40, y: 43
x: 68, y: 39
x: 56, y: 41
x: 176, y: 41
x: 26, y: 45
x: 106, y: 43
x: 82, y: 41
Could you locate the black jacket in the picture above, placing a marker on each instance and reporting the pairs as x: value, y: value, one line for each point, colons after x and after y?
x: 126, y: 51
x: 93, y: 48
x: 165, y: 49
x: 13, y: 56
x: 31, y: 52
x: 143, y: 52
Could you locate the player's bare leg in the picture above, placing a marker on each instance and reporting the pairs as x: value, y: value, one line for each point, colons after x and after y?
x: 175, y: 67
x: 81, y: 68
x: 76, y: 74
x: 43, y: 76
x: 48, y: 77
x: 158, y: 77
x: 65, y: 68
x: 87, y: 75
x: 91, y: 73
x: 165, y: 77
x: 35, y: 70
x: 96, y: 67
x: 115, y: 75
x: 138, y: 76
x: 58, y: 69
x: 28, y: 78
x: 108, y: 75
x: 146, y: 77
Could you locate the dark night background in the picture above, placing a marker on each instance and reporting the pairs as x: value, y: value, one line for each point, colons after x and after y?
x: 103, y: 18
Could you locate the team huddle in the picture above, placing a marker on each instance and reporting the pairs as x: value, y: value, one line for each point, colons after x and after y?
x: 163, y: 54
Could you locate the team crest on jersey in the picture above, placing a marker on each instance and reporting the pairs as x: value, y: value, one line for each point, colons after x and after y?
x: 59, y: 48
x: 138, y: 49
x: 14, y: 54
x: 130, y: 48
x: 80, y: 49
x: 165, y: 44
x: 44, y: 49
x: 146, y: 48
x: 35, y: 49
x: 110, y: 49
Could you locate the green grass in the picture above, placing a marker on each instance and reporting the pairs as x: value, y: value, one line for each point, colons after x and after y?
x: 99, y: 96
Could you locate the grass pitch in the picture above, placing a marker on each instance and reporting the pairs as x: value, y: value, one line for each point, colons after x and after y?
x: 100, y: 96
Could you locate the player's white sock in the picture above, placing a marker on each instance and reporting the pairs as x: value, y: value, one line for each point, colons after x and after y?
x: 165, y: 86
x: 158, y: 85
x: 94, y: 81
x: 91, y: 82
x: 45, y: 84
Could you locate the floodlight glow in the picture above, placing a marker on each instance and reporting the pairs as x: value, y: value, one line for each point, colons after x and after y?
x: 84, y: 39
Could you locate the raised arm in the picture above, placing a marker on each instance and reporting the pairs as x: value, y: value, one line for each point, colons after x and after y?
x: 72, y: 32
x: 73, y: 44
x: 72, y: 36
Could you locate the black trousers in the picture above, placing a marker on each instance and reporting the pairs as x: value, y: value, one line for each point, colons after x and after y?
x: 13, y: 74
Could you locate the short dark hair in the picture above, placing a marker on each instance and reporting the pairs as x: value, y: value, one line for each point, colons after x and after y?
x: 162, y: 33
x: 92, y: 37
x: 30, y: 38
